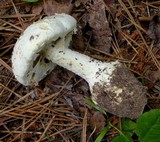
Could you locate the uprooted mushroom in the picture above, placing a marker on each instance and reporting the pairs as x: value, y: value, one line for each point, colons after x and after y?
x: 45, y: 43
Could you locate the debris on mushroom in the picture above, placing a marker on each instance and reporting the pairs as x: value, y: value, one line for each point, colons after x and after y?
x: 45, y: 44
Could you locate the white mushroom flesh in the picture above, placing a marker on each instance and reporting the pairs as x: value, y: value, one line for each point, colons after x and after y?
x: 28, y: 60
x: 90, y: 69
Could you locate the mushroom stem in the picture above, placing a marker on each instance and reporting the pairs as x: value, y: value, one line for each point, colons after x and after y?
x: 112, y: 86
x: 82, y: 65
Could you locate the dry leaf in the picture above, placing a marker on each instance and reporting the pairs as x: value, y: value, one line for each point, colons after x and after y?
x: 154, y: 29
x: 153, y: 75
x: 51, y: 7
x: 98, y: 121
x: 78, y: 42
x: 99, y: 23
x: 111, y: 5
x: 3, y: 6
x: 37, y: 8
x: 79, y: 2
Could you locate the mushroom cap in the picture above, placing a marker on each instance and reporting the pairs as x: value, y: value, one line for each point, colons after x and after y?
x: 29, y: 63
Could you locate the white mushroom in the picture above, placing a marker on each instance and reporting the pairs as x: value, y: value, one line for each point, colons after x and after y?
x: 29, y: 62
x: 45, y: 43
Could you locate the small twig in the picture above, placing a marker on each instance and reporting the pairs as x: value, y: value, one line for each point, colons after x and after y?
x: 15, y: 16
x: 18, y: 28
x: 3, y: 63
x: 18, y: 15
x: 84, y: 130
x: 44, y: 132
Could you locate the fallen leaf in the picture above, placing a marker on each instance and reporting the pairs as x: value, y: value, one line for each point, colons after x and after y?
x: 37, y: 8
x: 153, y: 75
x: 79, y: 2
x: 98, y: 22
x: 51, y: 7
x: 150, y: 85
x: 154, y: 30
x: 56, y: 79
x: 3, y: 6
x: 78, y: 42
x: 97, y: 121
x: 111, y: 5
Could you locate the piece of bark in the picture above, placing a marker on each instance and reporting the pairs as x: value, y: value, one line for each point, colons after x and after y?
x: 98, y: 22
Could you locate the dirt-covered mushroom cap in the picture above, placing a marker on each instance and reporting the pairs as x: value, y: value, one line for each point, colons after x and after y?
x: 28, y: 60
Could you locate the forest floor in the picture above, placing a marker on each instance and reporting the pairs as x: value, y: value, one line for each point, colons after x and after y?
x: 55, y: 110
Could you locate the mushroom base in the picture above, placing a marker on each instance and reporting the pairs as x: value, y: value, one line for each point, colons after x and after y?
x: 124, y: 96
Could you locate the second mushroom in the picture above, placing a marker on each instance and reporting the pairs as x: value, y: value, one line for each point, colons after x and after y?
x: 45, y: 43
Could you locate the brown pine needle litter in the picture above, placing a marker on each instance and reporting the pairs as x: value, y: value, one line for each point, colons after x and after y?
x: 55, y: 110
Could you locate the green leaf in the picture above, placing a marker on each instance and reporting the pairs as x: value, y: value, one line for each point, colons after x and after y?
x: 30, y: 0
x: 121, y: 138
x: 125, y: 131
x: 97, y: 107
x: 102, y: 134
x: 148, y: 126
x: 128, y: 125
